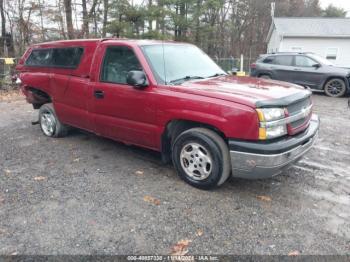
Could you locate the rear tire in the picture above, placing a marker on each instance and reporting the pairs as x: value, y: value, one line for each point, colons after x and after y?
x: 49, y: 123
x: 201, y: 158
x: 335, y: 87
x: 265, y: 76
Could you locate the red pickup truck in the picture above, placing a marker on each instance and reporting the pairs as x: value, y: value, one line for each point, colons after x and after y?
x: 172, y: 98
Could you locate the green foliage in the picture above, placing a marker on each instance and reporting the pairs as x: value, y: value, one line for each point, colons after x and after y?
x: 332, y: 11
x: 223, y: 28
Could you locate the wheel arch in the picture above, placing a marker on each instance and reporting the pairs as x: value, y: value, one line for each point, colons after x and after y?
x: 174, y: 128
x: 335, y: 77
x: 265, y: 73
x: 37, y: 97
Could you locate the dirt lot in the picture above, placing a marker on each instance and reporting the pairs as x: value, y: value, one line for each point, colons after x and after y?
x: 88, y: 195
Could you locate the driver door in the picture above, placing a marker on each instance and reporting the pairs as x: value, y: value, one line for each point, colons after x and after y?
x: 121, y: 111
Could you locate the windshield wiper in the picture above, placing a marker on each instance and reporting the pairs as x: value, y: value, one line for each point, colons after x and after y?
x: 186, y: 78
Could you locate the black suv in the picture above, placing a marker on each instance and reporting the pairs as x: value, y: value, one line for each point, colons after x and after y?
x: 306, y: 69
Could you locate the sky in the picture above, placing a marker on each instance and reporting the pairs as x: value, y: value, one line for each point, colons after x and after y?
x: 338, y: 3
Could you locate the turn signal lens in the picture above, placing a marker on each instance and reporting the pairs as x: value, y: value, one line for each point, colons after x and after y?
x: 262, y: 133
x: 260, y: 115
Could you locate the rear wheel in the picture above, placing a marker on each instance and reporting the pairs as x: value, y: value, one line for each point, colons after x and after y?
x: 335, y: 87
x: 265, y: 76
x: 201, y: 158
x: 49, y: 123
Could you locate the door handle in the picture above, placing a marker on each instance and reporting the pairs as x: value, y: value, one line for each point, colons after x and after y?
x: 99, y: 94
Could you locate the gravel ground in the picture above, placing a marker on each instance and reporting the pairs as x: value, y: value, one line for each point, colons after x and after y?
x: 88, y: 195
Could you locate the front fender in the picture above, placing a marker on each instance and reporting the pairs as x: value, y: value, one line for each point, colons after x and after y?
x: 233, y: 120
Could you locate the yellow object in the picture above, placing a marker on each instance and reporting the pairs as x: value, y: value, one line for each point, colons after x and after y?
x: 262, y: 130
x: 260, y: 115
x: 9, y: 61
x: 241, y: 73
x: 262, y: 133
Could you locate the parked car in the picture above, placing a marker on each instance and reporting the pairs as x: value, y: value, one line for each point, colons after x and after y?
x: 305, y: 69
x: 172, y: 98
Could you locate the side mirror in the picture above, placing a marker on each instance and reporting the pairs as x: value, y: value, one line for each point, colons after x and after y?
x: 316, y: 66
x: 137, y: 79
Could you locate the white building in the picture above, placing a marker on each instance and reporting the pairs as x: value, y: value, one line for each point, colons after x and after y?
x: 328, y: 37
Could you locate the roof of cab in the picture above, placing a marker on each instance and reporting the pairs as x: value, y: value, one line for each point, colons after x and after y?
x: 95, y: 41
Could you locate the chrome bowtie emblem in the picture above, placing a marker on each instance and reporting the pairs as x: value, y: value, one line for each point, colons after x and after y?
x: 305, y: 111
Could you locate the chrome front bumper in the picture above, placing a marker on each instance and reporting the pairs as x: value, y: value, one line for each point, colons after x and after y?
x: 249, y: 164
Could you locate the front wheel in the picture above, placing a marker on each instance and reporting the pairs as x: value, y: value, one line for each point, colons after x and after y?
x: 201, y: 158
x: 49, y: 123
x: 335, y: 87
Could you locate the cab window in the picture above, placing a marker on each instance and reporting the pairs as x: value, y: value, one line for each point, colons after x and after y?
x: 67, y: 57
x: 117, y: 62
x: 39, y: 57
x: 269, y: 60
x: 56, y: 57
x: 284, y: 60
x: 303, y: 61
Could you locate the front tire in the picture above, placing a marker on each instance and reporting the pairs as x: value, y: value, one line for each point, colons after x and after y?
x: 335, y: 87
x: 49, y: 123
x: 201, y: 158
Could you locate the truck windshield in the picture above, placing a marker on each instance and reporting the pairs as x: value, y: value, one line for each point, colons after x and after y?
x: 176, y: 63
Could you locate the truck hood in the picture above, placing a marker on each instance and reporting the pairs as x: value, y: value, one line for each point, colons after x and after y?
x: 249, y: 91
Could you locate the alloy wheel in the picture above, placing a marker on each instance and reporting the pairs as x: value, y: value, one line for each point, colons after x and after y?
x: 48, y: 123
x: 335, y: 87
x: 196, y: 161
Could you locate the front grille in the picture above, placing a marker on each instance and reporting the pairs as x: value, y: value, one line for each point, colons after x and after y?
x: 295, y: 109
x: 298, y: 123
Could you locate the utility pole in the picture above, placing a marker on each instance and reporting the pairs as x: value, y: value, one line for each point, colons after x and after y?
x: 273, y: 8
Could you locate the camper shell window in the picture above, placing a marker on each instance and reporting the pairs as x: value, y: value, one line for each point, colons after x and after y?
x: 68, y: 57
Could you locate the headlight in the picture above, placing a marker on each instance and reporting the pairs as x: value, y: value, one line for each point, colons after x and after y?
x: 270, y: 114
x: 272, y: 132
x: 267, y: 115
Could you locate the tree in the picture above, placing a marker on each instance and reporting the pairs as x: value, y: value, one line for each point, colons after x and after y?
x: 24, y: 24
x: 333, y: 11
x: 69, y: 20
x: 40, y: 7
x: 3, y: 28
x: 119, y: 11
x: 312, y: 8
x: 105, y: 17
x: 87, y: 16
x: 222, y: 28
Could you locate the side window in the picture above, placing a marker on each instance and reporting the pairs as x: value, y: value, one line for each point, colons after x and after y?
x: 303, y: 61
x: 118, y: 61
x: 39, y: 57
x: 269, y: 60
x: 67, y: 57
x: 284, y: 60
